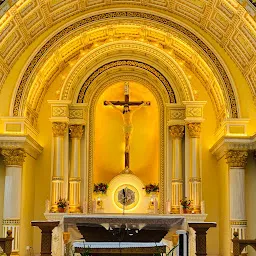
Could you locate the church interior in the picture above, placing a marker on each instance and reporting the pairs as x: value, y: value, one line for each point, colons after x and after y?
x: 128, y: 107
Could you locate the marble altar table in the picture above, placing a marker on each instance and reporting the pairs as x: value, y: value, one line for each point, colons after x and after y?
x: 125, y: 228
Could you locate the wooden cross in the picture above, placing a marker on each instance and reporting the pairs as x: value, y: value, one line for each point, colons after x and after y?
x: 127, y: 102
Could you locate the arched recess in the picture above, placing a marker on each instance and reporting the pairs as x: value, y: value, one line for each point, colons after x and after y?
x: 186, y: 34
x: 131, y: 55
x: 97, y: 87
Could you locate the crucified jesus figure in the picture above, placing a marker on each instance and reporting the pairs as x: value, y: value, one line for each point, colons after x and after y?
x: 127, y: 115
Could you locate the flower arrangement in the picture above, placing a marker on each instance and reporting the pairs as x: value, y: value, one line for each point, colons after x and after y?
x: 150, y: 188
x: 186, y: 203
x: 100, y: 188
x: 62, y: 203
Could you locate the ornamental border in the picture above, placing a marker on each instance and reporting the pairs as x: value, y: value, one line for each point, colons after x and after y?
x: 131, y: 63
x: 125, y: 14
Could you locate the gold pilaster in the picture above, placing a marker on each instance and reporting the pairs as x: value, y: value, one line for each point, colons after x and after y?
x: 76, y: 132
x: 176, y: 132
x: 237, y: 160
x: 194, y: 130
x: 59, y: 130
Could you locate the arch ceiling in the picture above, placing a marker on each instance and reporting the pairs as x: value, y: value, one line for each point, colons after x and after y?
x: 225, y: 20
x: 156, y: 44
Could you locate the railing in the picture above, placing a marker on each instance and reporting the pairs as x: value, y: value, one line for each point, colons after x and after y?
x: 6, y: 243
x: 240, y: 244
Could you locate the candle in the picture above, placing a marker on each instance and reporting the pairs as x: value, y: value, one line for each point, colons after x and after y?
x: 47, y: 206
x: 202, y: 207
x: 155, y: 206
x: 94, y: 206
x: 168, y: 206
x: 84, y: 206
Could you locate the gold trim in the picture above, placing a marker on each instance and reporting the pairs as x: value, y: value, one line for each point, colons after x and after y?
x: 237, y: 158
x: 13, y: 156
x: 123, y: 14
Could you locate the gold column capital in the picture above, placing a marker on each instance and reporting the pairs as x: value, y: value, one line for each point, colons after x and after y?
x: 58, y: 129
x: 176, y: 131
x: 237, y: 158
x: 76, y: 131
x: 194, y: 130
x: 13, y: 156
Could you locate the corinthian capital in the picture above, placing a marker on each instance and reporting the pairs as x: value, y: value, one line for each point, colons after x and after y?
x: 58, y: 129
x: 13, y: 156
x: 76, y: 131
x: 194, y: 130
x: 236, y: 158
x: 176, y: 131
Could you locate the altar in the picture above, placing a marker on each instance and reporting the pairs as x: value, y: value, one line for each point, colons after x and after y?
x: 125, y: 230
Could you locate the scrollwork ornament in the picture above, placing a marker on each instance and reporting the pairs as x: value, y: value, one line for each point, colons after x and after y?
x: 237, y: 158
x: 13, y: 156
x: 176, y: 131
x: 76, y: 131
x: 59, y: 129
x: 194, y: 130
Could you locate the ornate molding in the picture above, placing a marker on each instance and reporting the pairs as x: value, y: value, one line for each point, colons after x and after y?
x: 25, y: 142
x: 59, y: 129
x: 131, y: 63
x: 194, y: 129
x: 238, y: 222
x: 125, y: 14
x: 13, y: 156
x: 237, y: 143
x: 236, y: 158
x: 76, y: 131
x: 176, y: 131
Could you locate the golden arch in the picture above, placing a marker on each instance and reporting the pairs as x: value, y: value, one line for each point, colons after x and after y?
x: 230, y: 92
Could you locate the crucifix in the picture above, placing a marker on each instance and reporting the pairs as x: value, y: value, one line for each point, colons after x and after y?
x: 127, y: 115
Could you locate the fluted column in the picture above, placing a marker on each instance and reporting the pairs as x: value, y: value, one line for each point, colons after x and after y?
x: 58, y: 129
x: 194, y: 130
x: 13, y: 159
x: 176, y: 132
x: 237, y: 161
x: 76, y: 132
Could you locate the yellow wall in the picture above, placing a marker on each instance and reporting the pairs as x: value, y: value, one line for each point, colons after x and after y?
x: 27, y: 206
x: 43, y: 168
x: 250, y: 195
x: 109, y: 137
x: 224, y: 233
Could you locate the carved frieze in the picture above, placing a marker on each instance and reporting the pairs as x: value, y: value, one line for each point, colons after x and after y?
x: 237, y: 158
x: 194, y: 129
x: 59, y: 129
x: 13, y: 156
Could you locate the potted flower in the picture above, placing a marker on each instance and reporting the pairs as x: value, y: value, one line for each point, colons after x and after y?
x: 62, y: 204
x: 151, y: 188
x: 100, y: 188
x: 185, y: 203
